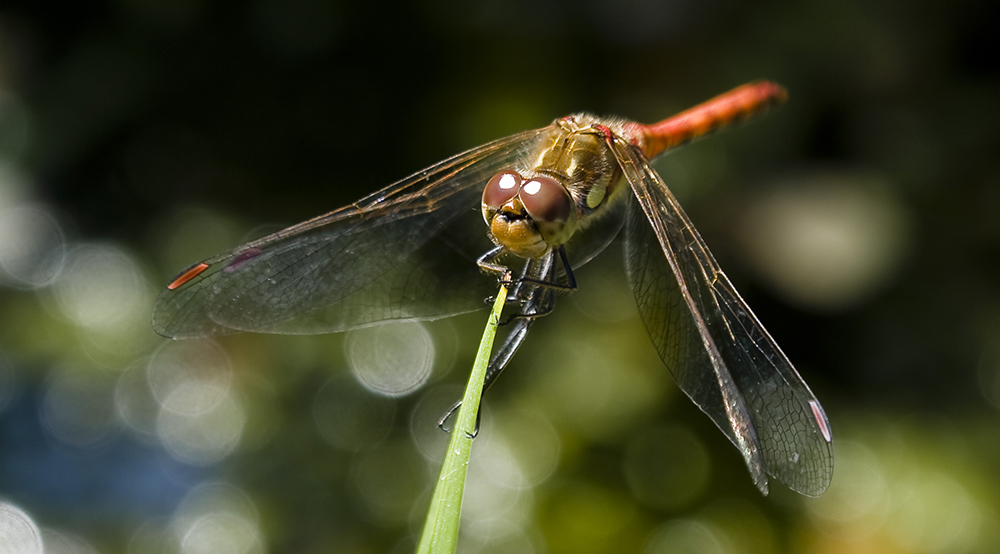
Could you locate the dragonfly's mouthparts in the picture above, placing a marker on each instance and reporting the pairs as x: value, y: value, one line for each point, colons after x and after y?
x: 514, y: 216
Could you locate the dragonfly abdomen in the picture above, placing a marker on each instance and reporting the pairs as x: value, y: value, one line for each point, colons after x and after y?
x: 723, y: 110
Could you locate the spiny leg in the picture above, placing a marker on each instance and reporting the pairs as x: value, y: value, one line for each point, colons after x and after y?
x: 497, y: 364
x: 539, y: 301
x: 548, y: 278
x: 540, y: 273
x: 541, y: 282
x: 488, y: 263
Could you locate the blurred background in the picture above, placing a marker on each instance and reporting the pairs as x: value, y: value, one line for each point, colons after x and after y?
x: 861, y: 221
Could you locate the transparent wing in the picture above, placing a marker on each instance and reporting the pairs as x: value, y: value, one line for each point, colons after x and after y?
x: 718, y: 352
x: 405, y: 252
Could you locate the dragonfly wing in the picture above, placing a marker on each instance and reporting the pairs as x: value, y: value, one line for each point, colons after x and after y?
x: 405, y: 252
x: 718, y: 352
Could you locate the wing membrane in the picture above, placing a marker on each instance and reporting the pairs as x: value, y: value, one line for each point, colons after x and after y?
x: 404, y: 252
x: 718, y: 352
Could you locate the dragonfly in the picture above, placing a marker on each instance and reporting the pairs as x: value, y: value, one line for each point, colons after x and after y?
x: 551, y: 199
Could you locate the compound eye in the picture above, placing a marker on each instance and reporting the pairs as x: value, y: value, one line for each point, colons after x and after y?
x: 546, y: 200
x: 501, y: 188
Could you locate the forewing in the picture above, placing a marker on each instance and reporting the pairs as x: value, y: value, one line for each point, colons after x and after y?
x: 405, y: 252
x: 718, y: 352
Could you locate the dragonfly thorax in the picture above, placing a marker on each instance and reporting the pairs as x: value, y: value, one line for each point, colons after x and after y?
x: 576, y: 153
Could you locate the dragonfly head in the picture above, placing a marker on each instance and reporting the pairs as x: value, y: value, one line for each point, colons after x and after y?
x: 528, y: 216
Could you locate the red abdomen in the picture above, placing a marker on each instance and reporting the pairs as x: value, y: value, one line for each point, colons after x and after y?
x: 725, y: 109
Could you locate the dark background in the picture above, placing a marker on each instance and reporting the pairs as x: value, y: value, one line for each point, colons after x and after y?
x: 861, y: 221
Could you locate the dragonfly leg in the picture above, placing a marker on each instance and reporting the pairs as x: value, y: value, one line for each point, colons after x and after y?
x: 539, y: 301
x: 533, y: 292
x: 488, y: 263
x: 568, y: 279
x: 531, y: 310
x: 534, y: 275
x: 501, y: 358
x: 539, y: 283
x: 564, y: 281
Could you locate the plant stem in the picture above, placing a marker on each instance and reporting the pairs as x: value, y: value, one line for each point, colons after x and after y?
x: 440, y: 534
